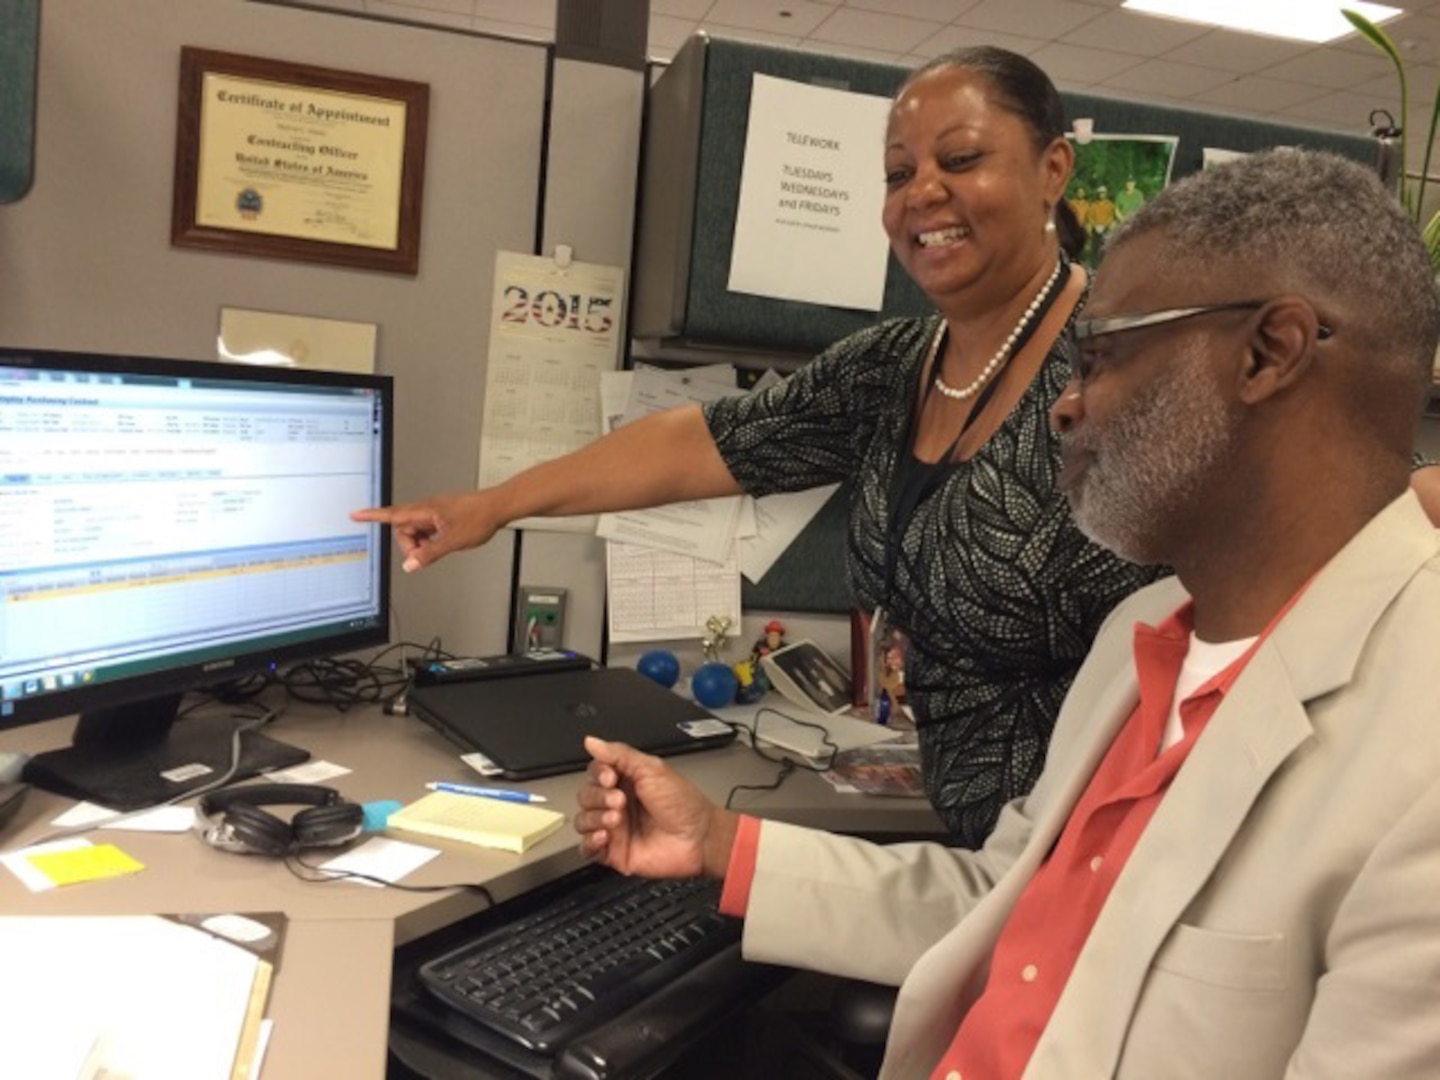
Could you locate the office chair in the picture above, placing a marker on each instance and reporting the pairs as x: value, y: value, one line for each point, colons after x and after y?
x: 859, y: 1020
x: 832, y: 1029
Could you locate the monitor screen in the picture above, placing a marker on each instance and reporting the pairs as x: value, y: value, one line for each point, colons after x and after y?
x: 166, y: 525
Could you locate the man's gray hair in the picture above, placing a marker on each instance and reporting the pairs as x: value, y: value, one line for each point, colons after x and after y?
x: 1310, y: 220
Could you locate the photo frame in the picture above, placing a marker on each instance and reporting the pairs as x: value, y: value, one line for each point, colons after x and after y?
x: 1114, y: 176
x: 809, y: 677
x: 292, y: 161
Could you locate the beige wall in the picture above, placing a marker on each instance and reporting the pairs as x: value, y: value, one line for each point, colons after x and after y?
x: 86, y: 261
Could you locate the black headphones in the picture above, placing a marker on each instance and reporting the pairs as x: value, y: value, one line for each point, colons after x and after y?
x: 233, y: 821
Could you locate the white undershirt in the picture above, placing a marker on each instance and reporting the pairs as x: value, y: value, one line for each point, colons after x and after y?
x: 1203, y: 662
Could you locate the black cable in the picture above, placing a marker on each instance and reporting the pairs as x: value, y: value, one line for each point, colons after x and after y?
x: 255, y: 723
x: 756, y: 739
x: 318, y: 875
x: 787, y: 763
x: 787, y: 767
x: 345, y: 683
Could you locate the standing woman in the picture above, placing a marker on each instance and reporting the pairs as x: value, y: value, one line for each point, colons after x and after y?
x: 957, y: 537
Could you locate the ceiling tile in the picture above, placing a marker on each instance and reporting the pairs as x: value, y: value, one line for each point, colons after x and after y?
x: 446, y: 7
x: 956, y: 37
x: 745, y: 33
x: 1240, y: 53
x: 788, y: 17
x: 1076, y: 63
x: 524, y: 12
x: 1047, y: 19
x: 1166, y: 78
x: 1089, y: 44
x: 1421, y: 80
x: 1254, y: 94
x: 1418, y: 127
x: 855, y: 52
x: 873, y: 30
x: 1335, y: 69
x: 430, y: 16
x: 941, y: 11
x: 1127, y: 31
x: 1415, y: 35
x: 682, y: 9
x: 504, y: 29
x: 1341, y: 111
x: 669, y: 32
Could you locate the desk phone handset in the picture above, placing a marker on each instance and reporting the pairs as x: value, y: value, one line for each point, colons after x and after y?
x: 533, y: 662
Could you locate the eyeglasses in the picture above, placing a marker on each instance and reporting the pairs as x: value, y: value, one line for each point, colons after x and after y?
x: 1089, y: 329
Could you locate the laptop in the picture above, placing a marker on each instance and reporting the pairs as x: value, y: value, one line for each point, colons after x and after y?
x: 535, y: 725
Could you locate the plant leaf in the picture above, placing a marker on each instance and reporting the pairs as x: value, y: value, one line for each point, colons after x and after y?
x: 1375, y: 35
x: 1432, y: 241
x: 1381, y: 40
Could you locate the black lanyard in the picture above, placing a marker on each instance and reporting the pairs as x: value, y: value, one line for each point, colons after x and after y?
x: 913, y: 481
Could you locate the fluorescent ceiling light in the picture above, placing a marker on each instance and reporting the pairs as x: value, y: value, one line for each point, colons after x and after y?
x: 1314, y: 20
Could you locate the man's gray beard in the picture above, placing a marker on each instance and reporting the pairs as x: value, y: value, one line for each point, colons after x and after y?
x: 1150, y: 458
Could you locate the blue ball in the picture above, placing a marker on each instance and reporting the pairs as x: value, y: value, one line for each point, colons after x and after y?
x: 660, y: 665
x: 714, y: 685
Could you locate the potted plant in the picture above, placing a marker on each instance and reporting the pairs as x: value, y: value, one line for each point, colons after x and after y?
x: 1412, y: 192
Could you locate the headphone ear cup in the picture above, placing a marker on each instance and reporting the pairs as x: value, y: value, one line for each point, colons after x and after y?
x: 258, y: 831
x: 328, y: 826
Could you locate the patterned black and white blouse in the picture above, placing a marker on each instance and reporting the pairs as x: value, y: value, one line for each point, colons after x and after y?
x: 999, y: 593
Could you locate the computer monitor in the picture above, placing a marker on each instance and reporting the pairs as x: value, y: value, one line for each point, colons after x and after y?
x: 168, y: 525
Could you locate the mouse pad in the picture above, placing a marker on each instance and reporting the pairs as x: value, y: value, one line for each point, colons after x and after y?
x: 535, y: 725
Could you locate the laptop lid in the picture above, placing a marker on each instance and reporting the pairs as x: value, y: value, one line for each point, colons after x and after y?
x: 535, y: 725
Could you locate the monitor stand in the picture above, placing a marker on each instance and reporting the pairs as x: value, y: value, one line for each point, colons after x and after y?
x: 139, y: 755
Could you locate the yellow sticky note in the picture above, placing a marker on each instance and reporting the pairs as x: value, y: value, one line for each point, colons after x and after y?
x: 85, y: 864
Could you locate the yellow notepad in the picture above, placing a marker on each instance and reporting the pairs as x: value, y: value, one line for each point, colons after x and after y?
x: 475, y: 819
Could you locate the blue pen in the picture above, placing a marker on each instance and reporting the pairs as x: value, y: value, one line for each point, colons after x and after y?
x: 503, y: 794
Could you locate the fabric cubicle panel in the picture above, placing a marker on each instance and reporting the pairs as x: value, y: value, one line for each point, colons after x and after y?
x: 694, y: 155
x: 698, y: 112
x: 714, y: 315
x: 1199, y: 130
x: 19, y: 46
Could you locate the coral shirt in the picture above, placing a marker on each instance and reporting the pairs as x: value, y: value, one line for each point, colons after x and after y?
x: 1054, y: 916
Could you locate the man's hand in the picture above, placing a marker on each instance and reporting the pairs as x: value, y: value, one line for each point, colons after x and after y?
x: 432, y: 528
x: 639, y: 816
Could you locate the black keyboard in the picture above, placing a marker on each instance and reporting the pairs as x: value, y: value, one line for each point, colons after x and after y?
x: 583, y: 958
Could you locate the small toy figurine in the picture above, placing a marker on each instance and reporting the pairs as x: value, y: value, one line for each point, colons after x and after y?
x: 892, y: 683
x: 753, y: 683
x: 717, y: 627
x: 774, y: 638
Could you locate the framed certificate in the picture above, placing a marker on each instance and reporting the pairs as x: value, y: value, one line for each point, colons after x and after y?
x: 297, y: 162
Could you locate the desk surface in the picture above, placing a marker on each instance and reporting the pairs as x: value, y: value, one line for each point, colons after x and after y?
x: 331, y: 996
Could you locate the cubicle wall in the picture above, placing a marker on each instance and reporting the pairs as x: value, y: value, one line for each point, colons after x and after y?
x: 19, y: 38
x: 694, y: 155
x: 86, y: 261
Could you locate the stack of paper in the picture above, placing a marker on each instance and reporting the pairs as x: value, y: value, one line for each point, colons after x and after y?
x: 474, y: 819
x: 132, y: 996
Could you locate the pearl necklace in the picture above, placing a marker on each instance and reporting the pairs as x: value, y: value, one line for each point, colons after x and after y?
x: 1003, y: 353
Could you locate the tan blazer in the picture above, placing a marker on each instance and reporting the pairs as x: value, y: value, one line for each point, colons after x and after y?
x: 1280, y: 916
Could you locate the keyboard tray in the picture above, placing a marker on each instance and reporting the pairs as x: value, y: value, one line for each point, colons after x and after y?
x: 653, y: 1030
x: 588, y: 955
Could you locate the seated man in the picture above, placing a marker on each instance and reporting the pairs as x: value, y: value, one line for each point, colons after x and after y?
x: 1230, y: 865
